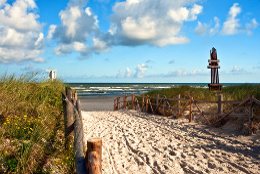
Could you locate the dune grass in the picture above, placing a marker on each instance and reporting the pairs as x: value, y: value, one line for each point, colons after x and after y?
x: 31, y: 127
x: 239, y: 92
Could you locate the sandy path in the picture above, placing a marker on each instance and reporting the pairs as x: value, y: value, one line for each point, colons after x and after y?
x: 136, y: 143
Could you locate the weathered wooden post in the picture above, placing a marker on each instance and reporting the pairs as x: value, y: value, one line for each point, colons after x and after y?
x: 68, y: 117
x: 69, y: 94
x: 179, y: 105
x: 251, y: 113
x: 133, y: 101
x: 146, y: 104
x: 94, y: 156
x: 220, y: 105
x: 115, y: 104
x: 190, y: 115
x: 157, y: 101
x: 142, y: 102
x: 164, y: 106
x: 125, y: 102
x: 118, y: 103
x: 79, y: 141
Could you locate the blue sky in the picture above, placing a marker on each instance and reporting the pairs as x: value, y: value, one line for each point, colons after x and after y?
x: 131, y: 40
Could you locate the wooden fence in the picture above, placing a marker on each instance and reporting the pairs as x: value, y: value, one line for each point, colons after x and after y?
x: 187, y: 105
x: 88, y: 161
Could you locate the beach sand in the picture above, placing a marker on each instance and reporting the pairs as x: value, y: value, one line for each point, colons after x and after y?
x: 97, y: 103
x: 136, y: 143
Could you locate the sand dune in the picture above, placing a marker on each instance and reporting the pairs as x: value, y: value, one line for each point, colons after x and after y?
x: 136, y: 143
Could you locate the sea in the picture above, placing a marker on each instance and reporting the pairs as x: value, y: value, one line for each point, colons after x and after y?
x: 118, y: 89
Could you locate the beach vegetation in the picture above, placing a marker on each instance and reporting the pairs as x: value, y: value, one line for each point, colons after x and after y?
x: 31, y: 126
x: 237, y: 92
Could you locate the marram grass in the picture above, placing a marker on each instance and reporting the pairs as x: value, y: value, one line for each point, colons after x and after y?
x: 239, y: 92
x: 31, y: 127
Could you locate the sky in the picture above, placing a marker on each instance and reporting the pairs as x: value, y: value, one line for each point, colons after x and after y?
x: 131, y: 41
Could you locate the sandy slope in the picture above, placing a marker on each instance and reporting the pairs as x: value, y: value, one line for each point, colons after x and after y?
x: 136, y: 143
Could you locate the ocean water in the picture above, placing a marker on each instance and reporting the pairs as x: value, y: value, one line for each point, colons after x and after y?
x: 117, y: 89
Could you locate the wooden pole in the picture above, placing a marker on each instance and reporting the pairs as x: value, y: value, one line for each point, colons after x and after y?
x: 179, y: 105
x: 220, y: 107
x: 164, y: 106
x: 190, y: 116
x: 157, y: 101
x: 79, y: 141
x: 146, y: 104
x: 133, y: 101
x: 142, y: 102
x: 251, y: 114
x: 94, y: 156
x: 69, y: 94
x: 68, y: 110
x: 118, y: 103
x: 115, y: 103
x: 125, y: 98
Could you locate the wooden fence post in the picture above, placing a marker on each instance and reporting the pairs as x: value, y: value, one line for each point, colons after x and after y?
x: 68, y: 119
x: 79, y: 141
x: 146, y: 104
x: 220, y: 107
x: 190, y: 115
x: 179, y: 105
x: 251, y: 113
x: 94, y: 156
x: 69, y: 94
x: 114, y: 104
x: 133, y: 101
x: 118, y: 103
x: 142, y: 102
x: 164, y: 106
x: 157, y: 101
x: 125, y: 102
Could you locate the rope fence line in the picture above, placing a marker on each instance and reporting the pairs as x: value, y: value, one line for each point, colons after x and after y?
x: 179, y: 106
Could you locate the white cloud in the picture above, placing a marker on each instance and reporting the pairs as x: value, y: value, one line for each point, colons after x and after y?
x: 140, y: 70
x: 21, y: 38
x: 159, y: 23
x: 201, y: 28
x: 253, y: 24
x: 78, y: 25
x: 214, y: 30
x: 128, y: 72
x: 237, y: 70
x: 99, y: 45
x: 231, y: 25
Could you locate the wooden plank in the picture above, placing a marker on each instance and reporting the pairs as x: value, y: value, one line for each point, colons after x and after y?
x: 94, y: 156
x: 213, y: 61
x: 213, y: 67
